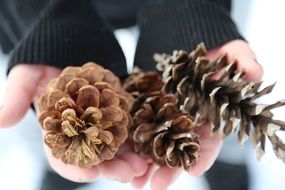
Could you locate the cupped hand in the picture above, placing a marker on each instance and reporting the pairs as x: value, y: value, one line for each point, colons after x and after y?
x: 25, y: 84
x: 161, y: 177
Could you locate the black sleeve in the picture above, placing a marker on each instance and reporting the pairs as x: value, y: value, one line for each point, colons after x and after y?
x: 166, y: 25
x: 58, y: 33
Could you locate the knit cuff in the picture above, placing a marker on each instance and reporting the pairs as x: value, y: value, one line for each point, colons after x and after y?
x: 70, y: 33
x: 167, y: 25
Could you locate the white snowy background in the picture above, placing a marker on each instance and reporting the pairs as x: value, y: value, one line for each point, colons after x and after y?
x: 22, y: 160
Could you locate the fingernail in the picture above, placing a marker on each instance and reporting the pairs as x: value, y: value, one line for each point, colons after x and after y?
x: 207, y: 168
x: 121, y: 180
x: 261, y: 68
x: 256, y: 61
x: 1, y: 106
x: 124, y: 181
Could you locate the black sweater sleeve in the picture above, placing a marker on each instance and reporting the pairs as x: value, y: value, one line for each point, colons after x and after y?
x: 166, y: 25
x: 58, y: 33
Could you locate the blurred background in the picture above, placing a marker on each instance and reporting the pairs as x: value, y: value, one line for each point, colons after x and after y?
x: 22, y: 160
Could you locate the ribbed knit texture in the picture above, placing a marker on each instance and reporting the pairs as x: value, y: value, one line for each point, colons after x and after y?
x: 69, y: 33
x: 16, y: 17
x: 166, y: 25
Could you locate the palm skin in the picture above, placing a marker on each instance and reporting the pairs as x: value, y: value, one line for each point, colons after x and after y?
x: 30, y: 82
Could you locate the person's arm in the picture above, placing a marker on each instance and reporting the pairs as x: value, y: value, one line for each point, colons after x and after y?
x: 58, y: 33
x: 166, y: 25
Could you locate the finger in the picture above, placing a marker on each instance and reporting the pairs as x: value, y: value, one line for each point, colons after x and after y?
x: 140, y: 182
x: 117, y: 169
x: 214, y: 54
x: 164, y: 177
x: 240, y: 51
x: 210, y: 148
x: 246, y: 60
x: 70, y: 172
x: 138, y: 164
x: 253, y: 70
x: 48, y: 74
x: 21, y: 86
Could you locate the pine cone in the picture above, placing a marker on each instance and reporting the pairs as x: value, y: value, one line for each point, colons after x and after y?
x: 85, y: 115
x: 228, y: 98
x: 142, y: 84
x: 182, y: 73
x: 159, y: 129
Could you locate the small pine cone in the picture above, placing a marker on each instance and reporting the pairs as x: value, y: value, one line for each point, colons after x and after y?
x: 160, y: 130
x: 164, y: 133
x: 141, y: 83
x: 217, y: 92
x: 85, y: 115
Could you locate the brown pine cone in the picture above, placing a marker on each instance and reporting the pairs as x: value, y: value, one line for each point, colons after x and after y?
x: 140, y: 83
x: 183, y: 74
x: 85, y: 115
x: 164, y: 133
x: 226, y: 97
x: 159, y: 129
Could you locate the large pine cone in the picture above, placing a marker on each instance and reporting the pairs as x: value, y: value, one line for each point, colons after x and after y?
x: 183, y: 74
x: 85, y: 115
x: 159, y: 129
x: 211, y: 92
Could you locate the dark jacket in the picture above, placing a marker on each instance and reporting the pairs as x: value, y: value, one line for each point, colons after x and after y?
x: 71, y: 32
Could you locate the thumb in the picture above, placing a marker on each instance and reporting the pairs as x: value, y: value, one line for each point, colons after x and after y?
x: 247, y: 61
x: 240, y: 51
x: 21, y: 87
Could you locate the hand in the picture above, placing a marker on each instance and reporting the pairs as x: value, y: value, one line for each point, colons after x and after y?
x: 162, y: 177
x: 26, y: 83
